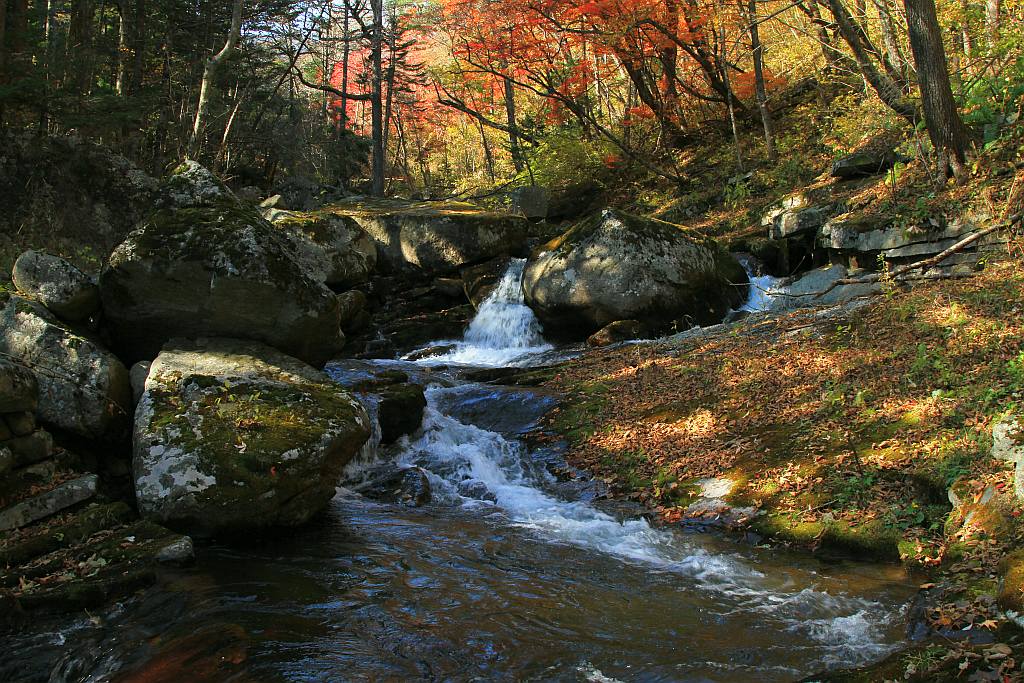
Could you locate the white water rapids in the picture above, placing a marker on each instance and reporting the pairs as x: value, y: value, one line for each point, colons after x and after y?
x: 488, y: 473
x: 503, y: 331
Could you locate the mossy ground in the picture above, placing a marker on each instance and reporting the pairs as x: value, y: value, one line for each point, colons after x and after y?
x: 845, y: 434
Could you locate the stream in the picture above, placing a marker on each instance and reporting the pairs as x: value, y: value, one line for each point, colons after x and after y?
x: 509, y: 573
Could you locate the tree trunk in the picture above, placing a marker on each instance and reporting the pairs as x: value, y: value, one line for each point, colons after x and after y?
x: 80, y: 46
x: 945, y: 128
x: 346, y: 50
x: 209, y: 74
x: 965, y: 35
x: 762, y: 96
x: 138, y: 47
x: 513, y: 137
x: 890, y: 39
x: 992, y: 8
x: 890, y: 92
x: 376, y: 101
x: 3, y: 41
x: 121, y: 80
x: 488, y: 156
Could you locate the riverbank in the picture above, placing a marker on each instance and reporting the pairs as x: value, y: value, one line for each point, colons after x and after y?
x: 865, y: 432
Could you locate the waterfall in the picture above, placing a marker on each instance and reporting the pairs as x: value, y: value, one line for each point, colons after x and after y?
x: 503, y: 330
x: 764, y: 289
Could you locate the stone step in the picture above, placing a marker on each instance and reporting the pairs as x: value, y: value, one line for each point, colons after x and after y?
x: 30, y: 449
x: 63, y: 532
x: 50, y: 503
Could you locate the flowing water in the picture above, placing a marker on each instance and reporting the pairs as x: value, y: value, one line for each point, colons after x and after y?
x: 510, y: 573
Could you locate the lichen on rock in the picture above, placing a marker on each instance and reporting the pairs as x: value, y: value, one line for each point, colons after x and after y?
x: 234, y: 435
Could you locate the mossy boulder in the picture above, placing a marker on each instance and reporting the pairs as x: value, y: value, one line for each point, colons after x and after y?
x: 190, y: 185
x: 616, y: 266
x: 435, y: 239
x: 340, y: 252
x: 83, y: 388
x: 216, y: 269
x: 18, y: 388
x: 233, y: 436
x: 60, y: 286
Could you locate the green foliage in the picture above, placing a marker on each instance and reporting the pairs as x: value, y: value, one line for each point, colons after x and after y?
x: 931, y: 368
x: 564, y: 157
x: 737, y: 192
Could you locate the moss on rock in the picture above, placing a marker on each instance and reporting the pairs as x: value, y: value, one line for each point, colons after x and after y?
x: 233, y: 435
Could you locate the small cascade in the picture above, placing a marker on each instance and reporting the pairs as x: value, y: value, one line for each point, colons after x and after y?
x: 765, y: 290
x: 474, y: 467
x: 367, y: 457
x: 503, y: 331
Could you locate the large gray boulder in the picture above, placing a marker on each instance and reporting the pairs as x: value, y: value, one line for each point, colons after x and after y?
x: 18, y: 388
x: 233, y: 435
x: 435, y: 239
x: 338, y: 251
x: 60, y: 286
x: 215, y: 268
x: 83, y: 388
x: 191, y: 184
x: 616, y: 266
x: 820, y: 287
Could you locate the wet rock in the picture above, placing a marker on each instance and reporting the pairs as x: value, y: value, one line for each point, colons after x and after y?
x: 450, y: 287
x: 430, y: 351
x: 863, y: 164
x: 400, y: 411
x: 32, y: 448
x: 618, y: 331
x: 83, y: 388
x: 20, y: 424
x: 180, y: 552
x: 18, y: 388
x: 615, y: 266
x: 480, y: 280
x: 58, y: 285
x: 216, y: 268
x: 45, y: 504
x: 335, y: 248
x: 235, y: 436
x: 406, y: 485
x: 476, y: 490
x: 6, y: 460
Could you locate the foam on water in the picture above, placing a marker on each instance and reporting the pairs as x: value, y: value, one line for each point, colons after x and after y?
x: 504, y: 330
x: 455, y: 453
x: 765, y: 290
x: 764, y: 293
